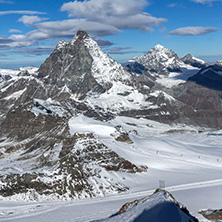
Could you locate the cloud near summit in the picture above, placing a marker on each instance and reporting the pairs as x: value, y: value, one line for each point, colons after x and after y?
x: 97, y: 17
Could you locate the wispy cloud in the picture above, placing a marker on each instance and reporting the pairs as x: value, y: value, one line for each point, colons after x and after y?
x: 172, y: 5
x: 41, y: 50
x: 103, y: 42
x: 193, y: 31
x: 67, y: 28
x: 15, y: 41
x: 97, y: 17
x: 22, y: 12
x: 123, y: 50
x: 5, y: 40
x: 14, y: 31
x: 31, y: 19
x: 6, y: 2
x: 206, y: 1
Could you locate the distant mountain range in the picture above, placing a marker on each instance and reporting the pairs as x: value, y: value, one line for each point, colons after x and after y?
x: 79, y: 79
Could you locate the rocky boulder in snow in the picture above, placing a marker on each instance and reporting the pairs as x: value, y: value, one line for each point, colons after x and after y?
x: 212, y: 215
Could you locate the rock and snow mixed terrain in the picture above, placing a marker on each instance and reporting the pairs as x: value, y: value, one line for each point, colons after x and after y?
x: 83, y: 126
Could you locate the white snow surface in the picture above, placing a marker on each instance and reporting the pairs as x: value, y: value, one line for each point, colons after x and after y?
x: 198, y: 60
x: 15, y: 72
x: 176, y: 78
x: 104, y: 68
x: 118, y: 98
x: 159, y: 207
x: 189, y: 162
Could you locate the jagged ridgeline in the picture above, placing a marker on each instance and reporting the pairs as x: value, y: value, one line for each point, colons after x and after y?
x: 42, y: 157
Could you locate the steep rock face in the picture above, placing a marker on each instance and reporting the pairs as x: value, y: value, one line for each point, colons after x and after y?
x: 159, y: 59
x: 195, y: 62
x: 20, y: 92
x: 34, y: 113
x: 81, y: 66
x: 42, y: 160
x: 70, y: 64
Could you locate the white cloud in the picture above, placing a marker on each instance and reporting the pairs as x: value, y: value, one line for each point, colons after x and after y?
x: 15, y: 41
x: 127, y: 14
x: 97, y: 17
x: 193, y: 30
x: 14, y: 31
x: 205, y: 1
x: 123, y: 50
x: 29, y: 20
x: 67, y: 29
x: 26, y: 12
x: 103, y: 8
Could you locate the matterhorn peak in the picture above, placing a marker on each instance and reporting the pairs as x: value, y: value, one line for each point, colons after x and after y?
x: 80, y: 35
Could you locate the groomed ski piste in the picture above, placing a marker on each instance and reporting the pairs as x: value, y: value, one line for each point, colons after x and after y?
x: 187, y: 159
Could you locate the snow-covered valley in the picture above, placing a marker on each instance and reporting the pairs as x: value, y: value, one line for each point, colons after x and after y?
x: 188, y: 161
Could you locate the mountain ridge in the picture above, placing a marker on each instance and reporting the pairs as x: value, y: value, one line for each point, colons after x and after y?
x: 78, y: 82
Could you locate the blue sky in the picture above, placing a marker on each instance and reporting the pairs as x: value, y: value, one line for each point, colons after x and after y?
x: 29, y: 30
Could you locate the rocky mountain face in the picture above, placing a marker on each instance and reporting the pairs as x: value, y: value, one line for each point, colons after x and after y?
x: 44, y: 159
x: 40, y: 156
x: 81, y: 66
x: 209, y: 77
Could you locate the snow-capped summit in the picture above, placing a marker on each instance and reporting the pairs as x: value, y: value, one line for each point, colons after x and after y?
x: 193, y: 61
x: 160, y: 59
x: 159, y: 47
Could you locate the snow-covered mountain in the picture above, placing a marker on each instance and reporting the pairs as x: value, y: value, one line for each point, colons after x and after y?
x: 61, y: 125
x: 160, y: 59
x: 193, y: 61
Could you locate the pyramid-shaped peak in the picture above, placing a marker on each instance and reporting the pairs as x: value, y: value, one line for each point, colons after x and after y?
x: 188, y: 55
x: 82, y: 34
x: 159, y: 47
